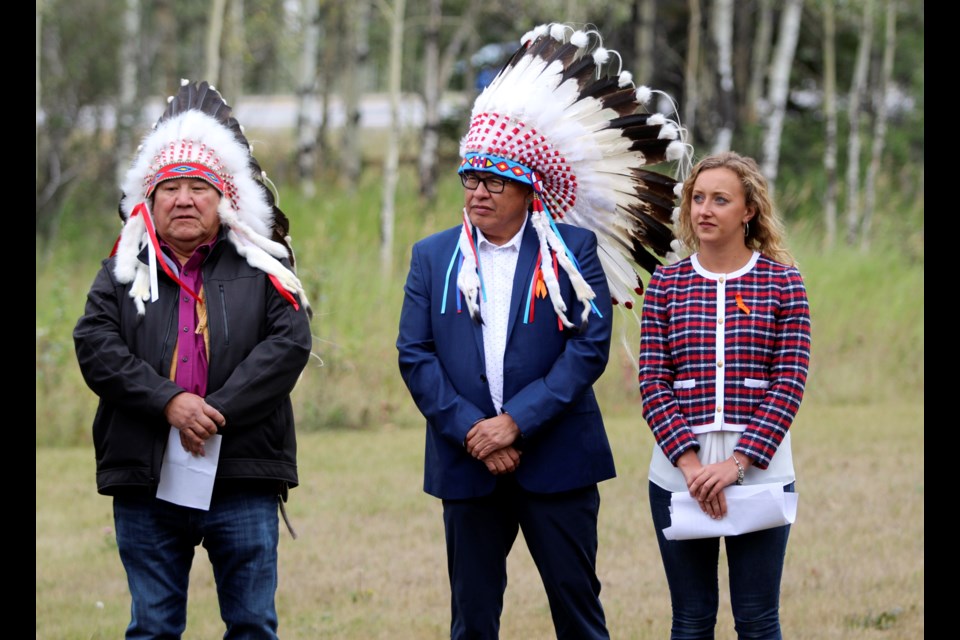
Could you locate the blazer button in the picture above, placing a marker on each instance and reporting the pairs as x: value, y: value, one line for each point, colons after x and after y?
x: 483, y: 378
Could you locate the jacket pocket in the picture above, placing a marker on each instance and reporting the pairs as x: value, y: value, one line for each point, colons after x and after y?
x: 684, y: 384
x: 754, y: 383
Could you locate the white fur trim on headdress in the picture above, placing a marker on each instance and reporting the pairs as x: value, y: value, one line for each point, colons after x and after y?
x: 549, y: 240
x: 197, y: 128
x: 468, y: 278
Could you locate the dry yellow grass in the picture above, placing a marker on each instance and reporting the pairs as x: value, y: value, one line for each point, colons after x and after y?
x: 369, y: 562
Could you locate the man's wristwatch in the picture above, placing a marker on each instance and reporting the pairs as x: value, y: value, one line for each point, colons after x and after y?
x: 739, y: 469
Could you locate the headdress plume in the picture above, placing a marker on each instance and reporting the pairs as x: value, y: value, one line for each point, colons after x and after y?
x: 563, y: 116
x: 197, y: 136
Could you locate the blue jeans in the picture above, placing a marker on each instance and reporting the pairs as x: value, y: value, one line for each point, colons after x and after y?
x: 755, y: 561
x: 157, y: 539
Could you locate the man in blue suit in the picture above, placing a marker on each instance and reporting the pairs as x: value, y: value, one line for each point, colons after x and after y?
x: 515, y: 439
x: 506, y: 319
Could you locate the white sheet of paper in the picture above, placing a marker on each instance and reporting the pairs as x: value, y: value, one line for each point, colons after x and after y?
x: 749, y: 508
x: 187, y: 479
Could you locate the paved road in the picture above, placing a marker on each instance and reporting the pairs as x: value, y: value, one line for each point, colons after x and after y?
x: 280, y: 111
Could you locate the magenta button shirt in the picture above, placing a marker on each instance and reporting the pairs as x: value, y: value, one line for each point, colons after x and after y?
x: 191, y: 351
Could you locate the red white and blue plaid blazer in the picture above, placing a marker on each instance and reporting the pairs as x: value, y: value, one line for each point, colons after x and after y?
x: 724, y: 352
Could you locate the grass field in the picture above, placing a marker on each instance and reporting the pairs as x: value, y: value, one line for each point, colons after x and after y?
x: 369, y: 560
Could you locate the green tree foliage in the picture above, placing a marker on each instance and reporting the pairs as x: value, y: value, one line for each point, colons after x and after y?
x: 79, y: 80
x: 78, y: 74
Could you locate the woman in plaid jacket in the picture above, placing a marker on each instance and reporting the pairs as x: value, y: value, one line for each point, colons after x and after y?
x: 724, y: 354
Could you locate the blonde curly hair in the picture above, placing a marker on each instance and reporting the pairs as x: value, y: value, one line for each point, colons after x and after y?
x: 766, y: 232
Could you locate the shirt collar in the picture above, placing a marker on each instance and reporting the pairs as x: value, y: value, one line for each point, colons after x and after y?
x: 512, y: 243
x: 203, y: 249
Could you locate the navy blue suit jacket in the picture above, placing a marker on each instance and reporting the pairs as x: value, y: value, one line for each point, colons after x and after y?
x: 548, y: 373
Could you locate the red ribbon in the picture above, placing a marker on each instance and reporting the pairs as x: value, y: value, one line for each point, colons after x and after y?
x: 283, y: 292
x: 152, y: 234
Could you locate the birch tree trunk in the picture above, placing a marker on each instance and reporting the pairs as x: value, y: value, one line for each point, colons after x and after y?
x: 330, y: 23
x: 127, y: 104
x: 306, y: 98
x: 830, y: 114
x: 879, y: 125
x: 470, y: 75
x: 392, y: 160
x: 42, y: 138
x: 234, y: 46
x: 54, y: 172
x: 354, y: 73
x: 431, y: 97
x: 722, y: 30
x: 691, y: 92
x: 465, y: 30
x: 760, y: 66
x: 644, y: 19
x: 40, y: 4
x: 163, y: 37
x: 211, y: 72
x: 743, y: 29
x: 454, y: 50
x: 857, y: 93
x: 780, y: 87
x: 575, y: 11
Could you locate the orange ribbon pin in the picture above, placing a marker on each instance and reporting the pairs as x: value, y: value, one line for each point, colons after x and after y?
x: 741, y: 305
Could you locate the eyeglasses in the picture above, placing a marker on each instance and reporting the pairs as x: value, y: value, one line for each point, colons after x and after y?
x: 493, y: 184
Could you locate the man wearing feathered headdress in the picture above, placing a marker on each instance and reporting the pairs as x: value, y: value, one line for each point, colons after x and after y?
x: 506, y: 320
x: 194, y: 333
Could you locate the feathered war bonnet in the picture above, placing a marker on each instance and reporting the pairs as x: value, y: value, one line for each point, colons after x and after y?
x: 559, y: 117
x: 197, y: 137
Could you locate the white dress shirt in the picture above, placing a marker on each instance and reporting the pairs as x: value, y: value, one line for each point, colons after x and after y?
x: 497, y: 265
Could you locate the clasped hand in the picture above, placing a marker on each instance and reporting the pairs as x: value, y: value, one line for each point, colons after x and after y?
x: 706, y: 483
x: 491, y: 441
x: 194, y: 418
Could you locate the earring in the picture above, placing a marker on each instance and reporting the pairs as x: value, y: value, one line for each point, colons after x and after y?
x: 746, y: 229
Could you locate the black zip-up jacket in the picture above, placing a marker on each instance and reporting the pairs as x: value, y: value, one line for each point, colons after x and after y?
x: 259, y: 345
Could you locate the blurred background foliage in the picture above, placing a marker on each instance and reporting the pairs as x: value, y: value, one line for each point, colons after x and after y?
x: 104, y: 66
